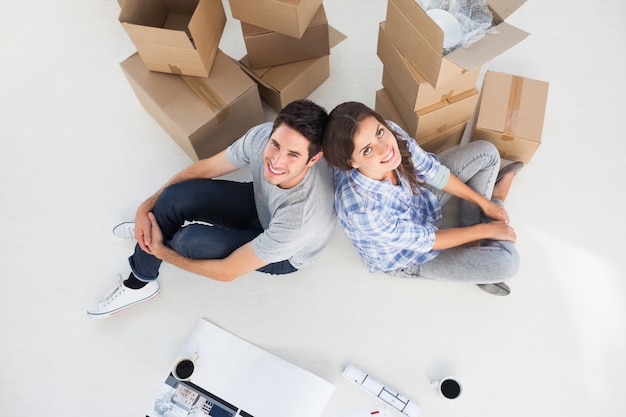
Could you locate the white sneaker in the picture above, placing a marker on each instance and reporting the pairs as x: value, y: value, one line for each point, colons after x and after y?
x: 125, y: 230
x: 122, y: 297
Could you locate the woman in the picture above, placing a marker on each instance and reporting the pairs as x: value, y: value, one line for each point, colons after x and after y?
x: 389, y: 193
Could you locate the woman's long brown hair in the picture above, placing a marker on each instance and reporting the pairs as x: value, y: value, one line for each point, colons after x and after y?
x: 338, y: 144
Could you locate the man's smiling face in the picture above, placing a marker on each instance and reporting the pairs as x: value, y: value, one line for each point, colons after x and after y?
x: 286, y: 157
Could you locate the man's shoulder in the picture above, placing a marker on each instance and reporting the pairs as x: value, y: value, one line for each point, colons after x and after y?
x: 261, y: 131
x: 244, y: 149
x: 258, y: 133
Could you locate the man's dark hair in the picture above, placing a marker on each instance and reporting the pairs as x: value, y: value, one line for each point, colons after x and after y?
x: 306, y: 118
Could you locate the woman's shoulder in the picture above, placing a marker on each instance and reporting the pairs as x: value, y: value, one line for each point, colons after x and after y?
x: 353, y: 196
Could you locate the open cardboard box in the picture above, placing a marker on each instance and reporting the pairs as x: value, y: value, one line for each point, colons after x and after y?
x: 415, y: 90
x: 510, y: 114
x: 175, y: 36
x: 420, y: 39
x: 281, y: 84
x: 203, y: 119
x: 289, y: 17
x: 268, y: 48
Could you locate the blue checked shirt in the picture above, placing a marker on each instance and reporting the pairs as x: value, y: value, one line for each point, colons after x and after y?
x: 391, y: 227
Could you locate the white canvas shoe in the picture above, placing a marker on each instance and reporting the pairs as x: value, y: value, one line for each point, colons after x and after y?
x: 125, y: 230
x: 122, y: 297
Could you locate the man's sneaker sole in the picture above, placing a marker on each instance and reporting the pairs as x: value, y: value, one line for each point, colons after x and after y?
x: 125, y: 230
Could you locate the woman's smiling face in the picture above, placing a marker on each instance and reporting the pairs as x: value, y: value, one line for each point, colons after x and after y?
x: 376, y: 154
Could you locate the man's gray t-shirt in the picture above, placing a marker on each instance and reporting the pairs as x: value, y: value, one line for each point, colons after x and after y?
x: 297, y: 222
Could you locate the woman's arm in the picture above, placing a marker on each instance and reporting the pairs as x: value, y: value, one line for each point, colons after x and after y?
x: 459, y: 189
x: 496, y: 230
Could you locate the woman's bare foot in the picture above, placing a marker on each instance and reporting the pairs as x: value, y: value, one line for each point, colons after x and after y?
x: 505, y: 179
x: 502, y: 187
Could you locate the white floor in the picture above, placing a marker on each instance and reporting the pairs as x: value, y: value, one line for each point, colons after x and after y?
x: 78, y: 153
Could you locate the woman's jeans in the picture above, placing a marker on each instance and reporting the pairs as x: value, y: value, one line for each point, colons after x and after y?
x: 476, y: 164
x: 182, y: 212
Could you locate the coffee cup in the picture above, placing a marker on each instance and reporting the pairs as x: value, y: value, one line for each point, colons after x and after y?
x: 448, y: 387
x: 183, y: 368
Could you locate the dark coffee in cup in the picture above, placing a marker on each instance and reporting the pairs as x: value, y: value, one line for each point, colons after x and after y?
x: 184, y: 369
x: 450, y: 388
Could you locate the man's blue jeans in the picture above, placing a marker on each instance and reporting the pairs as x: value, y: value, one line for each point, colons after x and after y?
x: 228, y: 206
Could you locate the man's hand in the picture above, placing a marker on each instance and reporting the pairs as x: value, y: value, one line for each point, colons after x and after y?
x: 143, y: 230
x: 155, y: 243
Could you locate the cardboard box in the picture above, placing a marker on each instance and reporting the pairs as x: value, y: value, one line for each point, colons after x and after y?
x: 175, y: 36
x: 436, y: 142
x: 459, y: 109
x: 385, y: 107
x: 281, y: 84
x: 416, y: 91
x: 424, y: 122
x: 205, y: 124
x: 511, y: 113
x: 420, y: 39
x: 289, y: 17
x: 267, y: 48
x: 440, y: 141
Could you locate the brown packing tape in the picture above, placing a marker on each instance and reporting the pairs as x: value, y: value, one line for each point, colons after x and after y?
x: 512, y: 111
x: 205, y: 93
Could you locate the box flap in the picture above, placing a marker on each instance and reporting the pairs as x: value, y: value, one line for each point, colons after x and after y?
x: 335, y: 37
x: 420, y: 19
x: 404, y: 33
x: 502, y: 9
x: 487, y: 48
x: 208, y: 23
x: 144, y: 13
x: 255, y: 74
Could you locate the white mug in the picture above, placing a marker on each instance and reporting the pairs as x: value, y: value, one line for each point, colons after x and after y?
x: 448, y: 387
x: 183, y: 368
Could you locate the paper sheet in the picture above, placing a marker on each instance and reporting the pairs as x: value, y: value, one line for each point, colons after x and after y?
x: 235, y: 378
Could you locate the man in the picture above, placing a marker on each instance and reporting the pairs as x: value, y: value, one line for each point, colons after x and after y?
x: 277, y: 224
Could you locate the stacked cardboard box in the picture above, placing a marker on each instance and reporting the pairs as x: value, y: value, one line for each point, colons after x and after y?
x: 510, y: 114
x: 434, y: 96
x: 288, y: 46
x: 198, y: 94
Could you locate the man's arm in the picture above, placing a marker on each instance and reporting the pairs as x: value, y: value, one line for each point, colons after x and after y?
x: 212, y: 167
x: 241, y: 261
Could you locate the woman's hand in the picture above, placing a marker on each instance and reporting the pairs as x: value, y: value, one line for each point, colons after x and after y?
x: 499, y: 230
x: 495, y: 211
